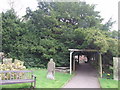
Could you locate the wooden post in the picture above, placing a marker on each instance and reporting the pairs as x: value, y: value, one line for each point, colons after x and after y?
x: 71, y: 62
x: 100, y: 62
x: 94, y: 56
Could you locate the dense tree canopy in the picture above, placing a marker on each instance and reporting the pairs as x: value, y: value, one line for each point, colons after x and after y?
x: 52, y: 29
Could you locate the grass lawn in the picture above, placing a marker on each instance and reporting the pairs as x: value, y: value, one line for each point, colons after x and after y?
x: 108, y: 83
x: 43, y: 82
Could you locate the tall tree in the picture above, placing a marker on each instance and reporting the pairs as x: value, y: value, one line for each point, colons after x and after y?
x: 52, y: 29
x: 12, y: 32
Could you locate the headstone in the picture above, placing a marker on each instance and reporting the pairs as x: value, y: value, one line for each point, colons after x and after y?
x: 119, y: 69
x: 51, y: 69
x: 2, y: 55
x: 7, y: 60
x: 18, y: 61
x: 115, y: 67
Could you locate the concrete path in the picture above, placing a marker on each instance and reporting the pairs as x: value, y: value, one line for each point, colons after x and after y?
x: 86, y: 77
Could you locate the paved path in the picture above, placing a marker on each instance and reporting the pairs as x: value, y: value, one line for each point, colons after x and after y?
x: 86, y: 77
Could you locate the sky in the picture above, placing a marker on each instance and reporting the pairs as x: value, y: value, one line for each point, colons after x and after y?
x: 107, y: 8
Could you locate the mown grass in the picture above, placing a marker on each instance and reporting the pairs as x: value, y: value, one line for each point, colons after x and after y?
x: 42, y: 81
x: 108, y: 83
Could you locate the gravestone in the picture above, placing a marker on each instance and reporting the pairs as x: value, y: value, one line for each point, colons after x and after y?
x: 18, y: 61
x: 7, y: 60
x: 2, y: 55
x: 51, y: 69
x: 116, y: 68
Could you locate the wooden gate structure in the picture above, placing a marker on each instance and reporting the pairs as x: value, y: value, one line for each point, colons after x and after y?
x: 72, y: 61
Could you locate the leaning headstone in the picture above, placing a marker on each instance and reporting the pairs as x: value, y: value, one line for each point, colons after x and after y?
x: 18, y: 61
x: 51, y: 69
x: 116, y: 68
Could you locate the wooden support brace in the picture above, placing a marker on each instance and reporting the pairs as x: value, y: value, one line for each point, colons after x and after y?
x: 100, y: 62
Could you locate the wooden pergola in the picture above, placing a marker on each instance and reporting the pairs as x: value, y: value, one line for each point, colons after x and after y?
x: 88, y: 51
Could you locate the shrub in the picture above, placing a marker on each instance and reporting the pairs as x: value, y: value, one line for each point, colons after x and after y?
x: 17, y: 65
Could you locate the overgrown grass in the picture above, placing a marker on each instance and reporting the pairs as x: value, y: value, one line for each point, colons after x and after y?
x: 42, y: 81
x: 108, y: 83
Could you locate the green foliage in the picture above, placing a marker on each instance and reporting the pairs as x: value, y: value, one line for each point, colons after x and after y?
x: 51, y: 30
x: 107, y: 75
x: 96, y: 40
x: 107, y: 25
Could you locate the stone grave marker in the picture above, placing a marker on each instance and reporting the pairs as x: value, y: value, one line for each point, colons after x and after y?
x: 116, y: 68
x: 2, y: 55
x: 7, y: 60
x: 51, y: 69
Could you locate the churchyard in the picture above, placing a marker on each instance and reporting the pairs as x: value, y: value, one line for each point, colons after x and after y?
x: 42, y: 81
x: 41, y: 75
x: 57, y: 45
